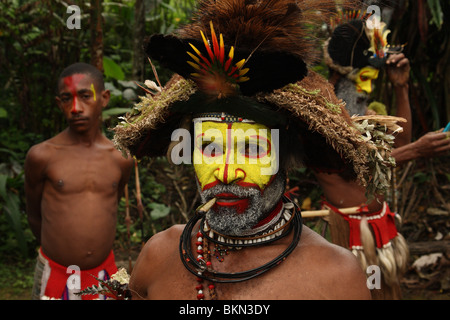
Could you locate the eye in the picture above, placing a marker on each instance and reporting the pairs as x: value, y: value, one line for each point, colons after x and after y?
x: 250, y: 150
x: 65, y: 98
x: 253, y: 150
x: 211, y: 149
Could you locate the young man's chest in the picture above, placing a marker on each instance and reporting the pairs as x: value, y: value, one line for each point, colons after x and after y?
x: 83, y: 170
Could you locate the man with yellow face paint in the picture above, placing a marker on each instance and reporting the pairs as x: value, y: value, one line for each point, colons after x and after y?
x: 253, y: 111
x: 236, y: 163
x: 364, y: 78
x: 355, y: 54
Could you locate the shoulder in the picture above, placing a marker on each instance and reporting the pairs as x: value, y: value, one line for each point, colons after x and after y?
x: 124, y: 159
x: 163, y: 239
x: 157, y: 254
x: 337, y: 272
x: 39, y: 154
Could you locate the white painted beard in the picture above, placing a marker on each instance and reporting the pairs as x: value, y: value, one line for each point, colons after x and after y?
x: 227, y: 221
x: 355, y: 102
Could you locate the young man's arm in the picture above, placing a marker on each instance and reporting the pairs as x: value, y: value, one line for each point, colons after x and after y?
x: 34, y: 186
x: 126, y: 166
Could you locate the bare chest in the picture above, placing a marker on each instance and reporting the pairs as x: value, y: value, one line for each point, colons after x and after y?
x: 81, y: 170
x: 275, y: 283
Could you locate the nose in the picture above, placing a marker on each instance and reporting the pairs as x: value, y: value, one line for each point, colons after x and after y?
x: 76, y: 106
x: 229, y: 174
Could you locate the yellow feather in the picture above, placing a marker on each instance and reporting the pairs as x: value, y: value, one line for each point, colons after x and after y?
x: 194, y: 65
x: 243, y: 71
x: 231, y: 53
x: 195, y: 49
x: 193, y: 57
x: 240, y: 64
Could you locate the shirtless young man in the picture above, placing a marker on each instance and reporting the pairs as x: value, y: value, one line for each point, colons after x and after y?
x: 250, y: 243
x: 73, y: 183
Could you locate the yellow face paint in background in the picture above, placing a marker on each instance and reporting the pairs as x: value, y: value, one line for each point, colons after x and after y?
x: 364, y: 78
x: 227, y: 153
x: 93, y: 91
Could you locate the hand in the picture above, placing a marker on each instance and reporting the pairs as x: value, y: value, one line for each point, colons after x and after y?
x: 433, y: 144
x: 398, y: 69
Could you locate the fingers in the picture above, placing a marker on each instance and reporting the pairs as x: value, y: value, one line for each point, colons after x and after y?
x: 438, y: 140
x: 398, y: 60
x: 435, y: 136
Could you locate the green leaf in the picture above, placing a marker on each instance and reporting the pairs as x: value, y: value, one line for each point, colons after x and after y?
x: 3, y: 180
x: 112, y: 69
x: 437, y: 15
x: 3, y: 113
x: 158, y: 210
x: 12, y: 209
x: 106, y: 114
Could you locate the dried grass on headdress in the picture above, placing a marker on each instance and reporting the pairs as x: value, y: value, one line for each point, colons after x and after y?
x: 313, y: 102
x: 337, y: 141
x: 148, y: 115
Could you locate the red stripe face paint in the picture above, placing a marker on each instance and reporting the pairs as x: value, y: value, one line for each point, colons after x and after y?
x: 233, y: 153
x: 71, y: 83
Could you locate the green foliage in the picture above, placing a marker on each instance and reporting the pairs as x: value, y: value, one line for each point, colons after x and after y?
x: 16, y: 281
x: 437, y: 14
x: 112, y: 69
x: 35, y: 46
x: 16, y: 237
x: 424, y: 31
x: 158, y: 210
x: 166, y: 15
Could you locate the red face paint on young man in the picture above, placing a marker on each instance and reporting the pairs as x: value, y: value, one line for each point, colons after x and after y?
x: 71, y: 83
x: 79, y: 101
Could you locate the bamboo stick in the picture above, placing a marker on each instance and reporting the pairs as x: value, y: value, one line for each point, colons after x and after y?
x: 326, y: 212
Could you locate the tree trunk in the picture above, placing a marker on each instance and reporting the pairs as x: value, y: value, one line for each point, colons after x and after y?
x: 96, y: 25
x: 138, y: 41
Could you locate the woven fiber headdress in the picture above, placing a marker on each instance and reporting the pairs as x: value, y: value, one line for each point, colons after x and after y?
x: 249, y: 58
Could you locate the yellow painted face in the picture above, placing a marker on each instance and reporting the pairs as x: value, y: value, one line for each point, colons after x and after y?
x: 363, y: 81
x: 237, y: 152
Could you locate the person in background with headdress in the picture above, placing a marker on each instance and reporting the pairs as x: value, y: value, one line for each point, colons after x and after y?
x: 355, y: 54
x: 247, y: 108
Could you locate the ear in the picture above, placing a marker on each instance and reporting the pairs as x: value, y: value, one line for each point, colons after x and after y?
x: 106, y: 95
x: 58, y: 102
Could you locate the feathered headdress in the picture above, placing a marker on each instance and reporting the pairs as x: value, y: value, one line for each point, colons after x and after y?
x: 267, y: 40
x: 355, y: 43
x: 249, y: 58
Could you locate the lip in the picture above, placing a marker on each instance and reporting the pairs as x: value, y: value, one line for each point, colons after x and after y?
x: 78, y: 120
x: 230, y: 200
x: 227, y: 198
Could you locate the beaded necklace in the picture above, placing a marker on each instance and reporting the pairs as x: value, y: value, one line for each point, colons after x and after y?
x: 201, y: 265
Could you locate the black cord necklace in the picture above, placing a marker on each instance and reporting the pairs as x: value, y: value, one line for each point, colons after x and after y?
x: 199, y: 269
